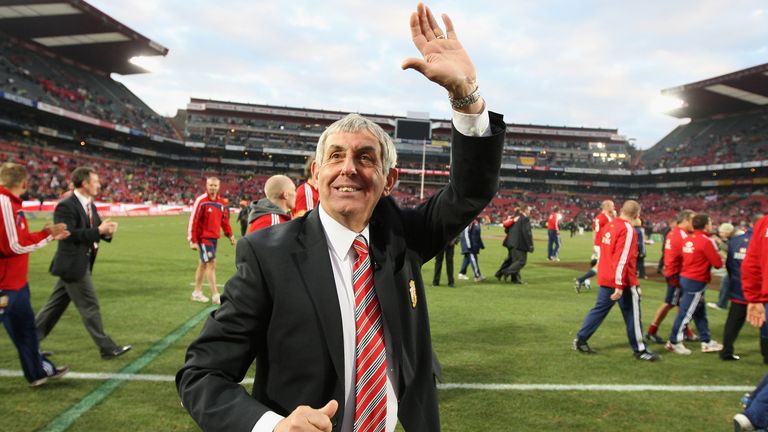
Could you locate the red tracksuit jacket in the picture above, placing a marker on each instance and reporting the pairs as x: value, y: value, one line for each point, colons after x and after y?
x: 16, y: 242
x: 600, y: 226
x: 208, y: 217
x: 267, y: 220
x: 307, y: 198
x: 673, y: 259
x: 619, y: 246
x: 699, y: 256
x: 553, y: 221
x: 754, y: 268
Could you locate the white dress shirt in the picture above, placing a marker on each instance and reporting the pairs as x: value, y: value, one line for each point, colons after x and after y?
x: 86, y: 203
x: 339, y: 239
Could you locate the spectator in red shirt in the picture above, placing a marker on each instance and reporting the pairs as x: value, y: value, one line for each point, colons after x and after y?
x: 276, y: 207
x: 209, y: 216
x: 699, y: 254
x: 16, y: 242
x: 617, y: 276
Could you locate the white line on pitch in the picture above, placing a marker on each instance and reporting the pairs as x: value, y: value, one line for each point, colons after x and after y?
x: 206, y: 284
x: 5, y: 373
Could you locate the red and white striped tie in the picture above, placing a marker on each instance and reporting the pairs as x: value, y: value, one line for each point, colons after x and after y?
x: 370, y: 356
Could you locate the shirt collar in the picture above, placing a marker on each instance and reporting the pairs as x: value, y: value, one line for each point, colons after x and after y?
x: 339, y: 237
x: 84, y: 201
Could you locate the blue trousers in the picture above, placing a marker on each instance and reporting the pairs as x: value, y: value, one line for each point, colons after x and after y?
x: 629, y: 303
x: 588, y: 275
x: 757, y: 410
x: 553, y: 243
x: 724, y: 295
x: 470, y: 258
x: 19, y: 321
x: 692, y: 296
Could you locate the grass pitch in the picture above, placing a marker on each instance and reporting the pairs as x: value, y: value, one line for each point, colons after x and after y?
x: 486, y: 333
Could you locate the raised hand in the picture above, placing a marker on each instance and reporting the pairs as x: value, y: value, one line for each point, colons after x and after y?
x: 445, y: 61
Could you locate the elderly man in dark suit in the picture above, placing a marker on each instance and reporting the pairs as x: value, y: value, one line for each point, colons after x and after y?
x: 331, y: 305
x: 74, y: 261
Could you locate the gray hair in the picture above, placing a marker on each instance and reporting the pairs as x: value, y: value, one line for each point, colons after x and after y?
x: 353, y: 123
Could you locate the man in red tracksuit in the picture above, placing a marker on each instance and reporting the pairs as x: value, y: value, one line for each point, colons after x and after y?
x: 673, y: 262
x: 276, y: 207
x: 16, y: 242
x: 599, y: 228
x: 617, y: 276
x: 600, y: 224
x: 754, y: 282
x: 699, y: 254
x: 553, y: 234
x: 754, y: 276
x: 209, y: 215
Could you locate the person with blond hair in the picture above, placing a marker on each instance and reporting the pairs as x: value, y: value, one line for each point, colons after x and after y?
x: 617, y: 277
x: 16, y: 243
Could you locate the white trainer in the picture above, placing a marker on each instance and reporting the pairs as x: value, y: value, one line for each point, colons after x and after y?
x: 463, y: 277
x: 216, y: 299
x: 199, y: 297
x: 742, y: 423
x: 711, y: 346
x: 677, y: 348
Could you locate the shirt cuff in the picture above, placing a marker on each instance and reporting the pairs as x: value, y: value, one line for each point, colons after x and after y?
x: 267, y: 422
x: 474, y: 125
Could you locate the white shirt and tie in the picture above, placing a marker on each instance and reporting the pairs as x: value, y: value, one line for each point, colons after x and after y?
x: 87, y: 202
x: 342, y: 255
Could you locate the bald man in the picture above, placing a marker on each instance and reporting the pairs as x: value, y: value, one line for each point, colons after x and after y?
x: 276, y: 207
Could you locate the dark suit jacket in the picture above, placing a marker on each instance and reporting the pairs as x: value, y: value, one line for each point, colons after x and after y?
x: 75, y: 254
x: 281, y: 307
x: 520, y: 236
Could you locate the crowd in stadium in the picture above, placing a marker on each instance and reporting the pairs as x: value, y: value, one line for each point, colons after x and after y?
x: 125, y: 180
x: 39, y: 77
x: 737, y: 138
x: 145, y: 180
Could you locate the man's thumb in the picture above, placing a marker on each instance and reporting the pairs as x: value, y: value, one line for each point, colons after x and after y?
x: 414, y: 63
x: 330, y: 408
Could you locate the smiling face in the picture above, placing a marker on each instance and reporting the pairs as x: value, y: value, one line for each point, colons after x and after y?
x: 351, y: 178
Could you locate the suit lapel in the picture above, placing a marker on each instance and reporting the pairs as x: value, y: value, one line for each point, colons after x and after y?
x: 75, y: 202
x: 313, y: 265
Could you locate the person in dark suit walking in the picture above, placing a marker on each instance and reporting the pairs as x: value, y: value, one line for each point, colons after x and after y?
x: 331, y: 305
x: 73, y: 263
x: 519, y: 243
x: 447, y: 254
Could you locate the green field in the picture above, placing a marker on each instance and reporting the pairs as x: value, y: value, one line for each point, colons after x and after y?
x: 486, y: 333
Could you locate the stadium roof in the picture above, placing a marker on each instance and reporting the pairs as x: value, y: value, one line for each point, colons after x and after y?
x: 78, y: 31
x: 743, y: 90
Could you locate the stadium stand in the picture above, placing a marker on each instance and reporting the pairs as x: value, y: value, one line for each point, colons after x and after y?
x: 728, y: 122
x: 32, y: 73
